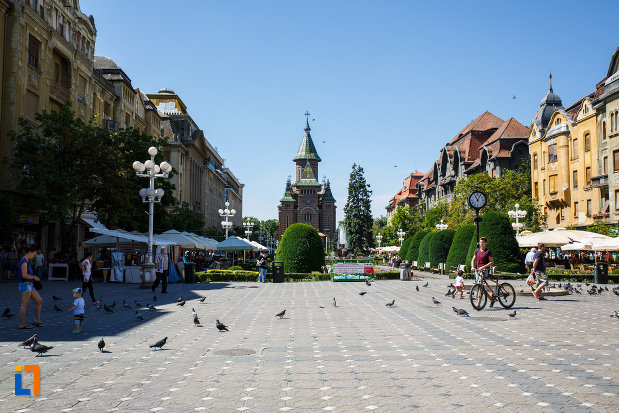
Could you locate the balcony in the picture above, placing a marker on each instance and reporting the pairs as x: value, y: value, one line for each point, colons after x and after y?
x: 111, y: 125
x: 600, y: 181
x: 60, y: 91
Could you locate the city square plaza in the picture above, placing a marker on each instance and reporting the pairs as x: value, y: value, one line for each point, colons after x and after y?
x: 555, y: 355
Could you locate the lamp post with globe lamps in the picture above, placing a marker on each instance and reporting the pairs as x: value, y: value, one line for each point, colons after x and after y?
x: 379, y: 238
x: 401, y: 235
x: 517, y: 214
x: 441, y: 226
x: 226, y: 213
x: 248, y: 226
x: 150, y: 195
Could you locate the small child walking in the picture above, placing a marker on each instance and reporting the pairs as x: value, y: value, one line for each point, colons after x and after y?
x: 459, y: 284
x: 78, y: 309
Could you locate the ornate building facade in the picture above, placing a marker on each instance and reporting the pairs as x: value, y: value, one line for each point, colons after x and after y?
x: 307, y: 200
x: 409, y: 195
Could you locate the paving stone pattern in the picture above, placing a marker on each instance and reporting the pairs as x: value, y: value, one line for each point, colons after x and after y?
x: 557, y: 355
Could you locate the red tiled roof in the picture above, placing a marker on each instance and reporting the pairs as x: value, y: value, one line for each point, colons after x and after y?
x: 483, y: 122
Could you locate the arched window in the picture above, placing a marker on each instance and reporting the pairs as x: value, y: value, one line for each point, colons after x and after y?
x: 612, y: 122
x: 587, y: 142
x: 604, y: 130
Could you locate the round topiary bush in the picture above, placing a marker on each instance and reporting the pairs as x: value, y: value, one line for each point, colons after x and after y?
x: 404, y: 248
x: 497, y: 229
x: 460, y: 246
x: 439, y: 246
x: 301, y: 249
x: 424, y: 249
x: 413, y: 249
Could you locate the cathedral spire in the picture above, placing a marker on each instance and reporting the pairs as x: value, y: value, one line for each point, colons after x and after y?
x: 307, y: 149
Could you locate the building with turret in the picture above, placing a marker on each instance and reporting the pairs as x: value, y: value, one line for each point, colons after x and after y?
x: 307, y: 200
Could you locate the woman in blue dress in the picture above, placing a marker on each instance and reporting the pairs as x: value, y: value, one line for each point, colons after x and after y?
x: 27, y: 290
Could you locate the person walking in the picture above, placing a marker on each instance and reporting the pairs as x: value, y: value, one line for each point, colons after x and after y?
x: 39, y: 261
x: 87, y: 281
x: 26, y: 288
x: 262, y: 265
x: 528, y: 259
x: 78, y: 310
x: 161, y: 270
x: 539, y: 270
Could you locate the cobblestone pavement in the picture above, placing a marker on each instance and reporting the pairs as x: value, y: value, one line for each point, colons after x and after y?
x: 556, y: 355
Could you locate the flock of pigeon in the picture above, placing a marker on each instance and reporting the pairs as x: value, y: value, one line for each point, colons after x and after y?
x: 39, y: 348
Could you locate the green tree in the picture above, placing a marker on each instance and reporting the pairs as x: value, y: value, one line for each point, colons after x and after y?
x: 404, y: 248
x: 413, y: 249
x: 433, y: 215
x: 184, y: 218
x: 439, y: 247
x: 379, y: 223
x: 424, y: 248
x: 301, y: 249
x: 271, y: 226
x: 358, y: 213
x: 460, y: 246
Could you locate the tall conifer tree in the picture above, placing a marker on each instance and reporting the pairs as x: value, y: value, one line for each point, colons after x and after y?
x: 358, y: 212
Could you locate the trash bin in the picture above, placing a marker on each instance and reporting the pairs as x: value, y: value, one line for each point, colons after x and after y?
x: 190, y: 268
x: 405, y: 271
x: 601, y: 273
x: 278, y: 271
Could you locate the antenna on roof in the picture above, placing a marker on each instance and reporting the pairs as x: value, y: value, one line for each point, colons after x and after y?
x: 550, y: 77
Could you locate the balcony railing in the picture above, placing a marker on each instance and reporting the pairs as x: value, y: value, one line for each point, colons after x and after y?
x: 600, y: 181
x: 111, y: 125
x: 60, y: 91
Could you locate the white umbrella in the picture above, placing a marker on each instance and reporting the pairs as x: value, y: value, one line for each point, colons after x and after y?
x: 556, y: 238
x: 611, y: 244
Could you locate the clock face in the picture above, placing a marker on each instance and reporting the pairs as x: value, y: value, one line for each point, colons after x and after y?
x: 477, y: 200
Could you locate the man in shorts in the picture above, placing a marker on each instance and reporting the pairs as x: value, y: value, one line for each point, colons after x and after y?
x: 539, y: 269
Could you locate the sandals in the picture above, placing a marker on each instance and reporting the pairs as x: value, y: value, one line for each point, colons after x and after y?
x: 26, y: 327
x: 37, y: 324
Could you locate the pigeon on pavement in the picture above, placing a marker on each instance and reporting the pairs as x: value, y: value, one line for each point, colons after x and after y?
x: 512, y: 315
x: 221, y: 326
x: 113, y: 304
x: 138, y: 316
x: 280, y: 315
x: 126, y: 305
x: 107, y: 309
x: 426, y: 284
x: 179, y: 299
x: 435, y: 301
x: 417, y: 287
x: 367, y: 282
x: 160, y: 343
x: 58, y: 309
x: 196, y: 320
x: 333, y: 302
x: 390, y: 304
x: 56, y: 298
x: 182, y: 303
x: 7, y: 313
x: 202, y: 299
x: 150, y: 307
x: 363, y: 293
x: 39, y: 348
x: 460, y: 311
x: 101, y: 344
x: 138, y: 304
x: 29, y: 341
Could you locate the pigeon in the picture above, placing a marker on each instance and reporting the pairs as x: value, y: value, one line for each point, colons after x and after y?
x: 615, y: 314
x: 179, y: 299
x: 37, y: 347
x: 280, y: 315
x: 220, y: 326
x: 512, y: 315
x: 367, y: 282
x: 417, y: 287
x: 587, y: 284
x: 58, y: 309
x: 449, y: 292
x: 150, y: 307
x: 137, y: 304
x: 616, y: 291
x: 7, y: 313
x: 193, y: 312
x: 182, y: 303
x: 390, y: 304
x: 363, y: 293
x: 138, y: 315
x: 107, y: 309
x: 113, y: 304
x: 196, y: 320
x: 160, y: 343
x: 154, y: 298
x: 606, y: 288
x: 101, y: 344
x: 426, y: 284
x: 577, y: 292
x: 333, y: 302
x: 435, y: 301
x: 56, y: 298
x: 460, y: 311
x: 28, y: 342
x: 126, y: 305
x: 202, y: 299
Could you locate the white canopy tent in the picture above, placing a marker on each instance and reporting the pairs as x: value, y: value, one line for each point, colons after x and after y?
x: 611, y: 244
x: 235, y: 244
x: 209, y: 243
x: 125, y: 236
x: 556, y: 238
x: 185, y: 241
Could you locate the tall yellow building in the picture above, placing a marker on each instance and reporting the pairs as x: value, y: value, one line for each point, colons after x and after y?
x: 563, y: 146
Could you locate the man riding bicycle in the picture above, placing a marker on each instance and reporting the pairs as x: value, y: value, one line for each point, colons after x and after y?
x: 482, y: 260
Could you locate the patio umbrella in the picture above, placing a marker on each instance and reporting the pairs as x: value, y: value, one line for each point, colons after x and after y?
x: 234, y: 244
x: 556, y: 238
x: 610, y: 244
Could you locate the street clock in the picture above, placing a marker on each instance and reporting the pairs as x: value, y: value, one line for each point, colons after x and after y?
x: 477, y: 200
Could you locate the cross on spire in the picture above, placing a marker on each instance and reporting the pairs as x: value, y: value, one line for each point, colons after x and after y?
x: 307, y: 115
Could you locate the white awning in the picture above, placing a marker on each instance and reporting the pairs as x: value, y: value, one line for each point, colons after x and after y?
x: 235, y: 244
x: 185, y: 241
x: 119, y: 233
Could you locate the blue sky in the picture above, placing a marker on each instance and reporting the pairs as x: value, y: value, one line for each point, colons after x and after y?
x: 387, y: 82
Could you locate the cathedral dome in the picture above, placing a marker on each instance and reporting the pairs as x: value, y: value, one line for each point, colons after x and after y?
x: 547, y: 106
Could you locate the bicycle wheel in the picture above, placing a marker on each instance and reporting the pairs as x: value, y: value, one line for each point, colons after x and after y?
x: 507, y: 295
x: 478, y: 297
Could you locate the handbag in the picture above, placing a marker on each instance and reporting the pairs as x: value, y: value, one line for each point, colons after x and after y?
x: 37, y: 285
x: 531, y: 279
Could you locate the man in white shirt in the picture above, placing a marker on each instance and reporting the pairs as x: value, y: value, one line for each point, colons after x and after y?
x: 161, y: 270
x: 39, y: 259
x: 528, y: 259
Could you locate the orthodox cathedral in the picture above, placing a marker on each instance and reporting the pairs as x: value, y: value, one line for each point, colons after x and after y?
x: 307, y: 200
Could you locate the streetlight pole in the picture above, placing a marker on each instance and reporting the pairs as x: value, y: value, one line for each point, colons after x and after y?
x: 517, y: 213
x: 401, y: 235
x: 379, y: 238
x: 441, y: 226
x: 150, y: 195
x: 248, y: 225
x: 226, y: 213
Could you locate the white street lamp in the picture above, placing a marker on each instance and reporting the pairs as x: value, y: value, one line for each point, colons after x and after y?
x: 441, y: 226
x: 401, y: 235
x: 227, y: 213
x: 379, y: 238
x: 248, y: 226
x: 151, y: 196
x: 517, y: 214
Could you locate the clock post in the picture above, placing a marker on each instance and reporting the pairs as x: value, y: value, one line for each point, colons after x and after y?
x: 477, y: 200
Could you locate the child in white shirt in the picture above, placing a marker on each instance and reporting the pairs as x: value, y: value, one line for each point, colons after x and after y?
x: 78, y: 309
x: 459, y: 284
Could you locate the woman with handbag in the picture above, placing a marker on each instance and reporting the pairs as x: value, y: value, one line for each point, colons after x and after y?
x: 27, y: 290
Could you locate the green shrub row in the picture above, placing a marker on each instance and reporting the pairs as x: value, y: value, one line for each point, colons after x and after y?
x: 301, y: 249
x: 439, y: 246
x: 413, y: 249
x: 249, y: 276
x: 460, y: 246
x: 404, y: 247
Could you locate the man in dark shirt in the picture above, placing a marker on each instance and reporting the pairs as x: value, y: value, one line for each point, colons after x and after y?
x: 483, y: 260
x: 539, y: 269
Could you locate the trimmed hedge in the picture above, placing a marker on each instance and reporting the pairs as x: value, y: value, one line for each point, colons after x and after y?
x: 459, y: 246
x: 497, y: 229
x: 424, y: 249
x: 236, y: 268
x: 249, y: 276
x: 404, y: 248
x: 439, y: 246
x: 301, y: 249
x: 413, y: 249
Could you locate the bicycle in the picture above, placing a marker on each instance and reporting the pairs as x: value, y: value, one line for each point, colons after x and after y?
x: 481, y: 291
